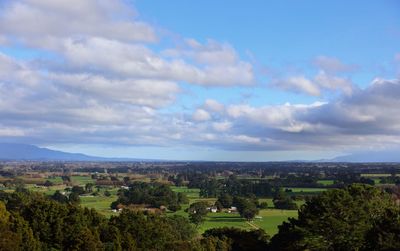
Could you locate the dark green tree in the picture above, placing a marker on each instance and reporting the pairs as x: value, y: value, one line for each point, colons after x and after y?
x: 58, y: 196
x: 246, y: 207
x: 197, y: 212
x: 240, y: 240
x: 225, y: 200
x: 338, y: 219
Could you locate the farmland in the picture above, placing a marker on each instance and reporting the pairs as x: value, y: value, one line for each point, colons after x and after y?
x: 297, y: 186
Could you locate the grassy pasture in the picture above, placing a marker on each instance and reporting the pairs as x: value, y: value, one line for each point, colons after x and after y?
x: 375, y: 175
x: 325, y: 182
x: 306, y: 190
x: 214, y: 220
x: 82, y: 180
x: 272, y: 218
x: 56, y: 180
x: 191, y: 193
x: 46, y: 190
x: 100, y: 203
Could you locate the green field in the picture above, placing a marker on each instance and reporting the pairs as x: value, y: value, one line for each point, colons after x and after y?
x: 375, y: 175
x: 82, y: 180
x: 191, y: 193
x: 325, y: 182
x: 100, y: 203
x: 56, y: 180
x: 215, y: 220
x: 46, y: 190
x: 306, y: 189
x: 272, y: 218
x: 271, y: 203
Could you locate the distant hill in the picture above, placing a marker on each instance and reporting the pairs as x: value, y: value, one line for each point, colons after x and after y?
x: 371, y: 156
x: 13, y: 151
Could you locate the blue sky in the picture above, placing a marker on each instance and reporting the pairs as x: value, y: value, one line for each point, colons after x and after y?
x: 201, y: 80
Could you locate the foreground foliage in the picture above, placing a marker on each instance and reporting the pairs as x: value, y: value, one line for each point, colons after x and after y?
x: 359, y: 217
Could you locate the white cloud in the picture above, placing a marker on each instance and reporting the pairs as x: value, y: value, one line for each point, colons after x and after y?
x: 41, y: 23
x: 326, y: 81
x: 11, y: 132
x: 213, y: 105
x: 146, y: 92
x: 222, y: 126
x: 332, y: 65
x: 246, y: 139
x: 201, y: 115
x: 134, y: 60
x: 298, y: 84
x: 366, y: 118
x: 97, y: 80
x: 316, y: 86
x: 222, y: 65
x: 107, y: 37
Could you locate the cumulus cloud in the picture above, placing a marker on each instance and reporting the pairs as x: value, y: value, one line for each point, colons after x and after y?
x: 146, y: 92
x: 367, y: 118
x: 201, y: 115
x: 332, y: 65
x: 329, y: 78
x: 222, y: 126
x: 136, y: 60
x: 213, y: 105
x: 95, y: 77
x: 315, y: 86
x: 222, y: 65
x: 43, y: 23
x: 298, y: 84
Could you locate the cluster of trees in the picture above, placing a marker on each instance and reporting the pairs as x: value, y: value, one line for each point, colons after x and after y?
x: 178, y: 179
x: 282, y: 201
x: 151, y: 194
x: 358, y: 217
x: 393, y: 179
x: 32, y: 221
x: 248, y: 207
x: 345, y: 179
x: 197, y: 212
x: 212, y: 187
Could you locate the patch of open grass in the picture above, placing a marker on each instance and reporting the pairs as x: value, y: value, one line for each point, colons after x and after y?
x: 272, y: 218
x: 325, y: 182
x: 82, y: 180
x: 46, y: 190
x: 376, y: 175
x: 306, y: 189
x: 100, y: 203
x: 215, y: 220
x: 56, y: 180
x: 191, y: 193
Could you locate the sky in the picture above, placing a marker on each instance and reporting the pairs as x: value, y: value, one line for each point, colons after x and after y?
x: 201, y: 80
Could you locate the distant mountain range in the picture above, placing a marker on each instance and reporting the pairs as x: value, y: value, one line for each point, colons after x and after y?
x: 370, y: 156
x: 13, y: 151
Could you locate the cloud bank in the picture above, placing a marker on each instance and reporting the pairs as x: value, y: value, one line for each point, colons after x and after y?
x: 97, y: 74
